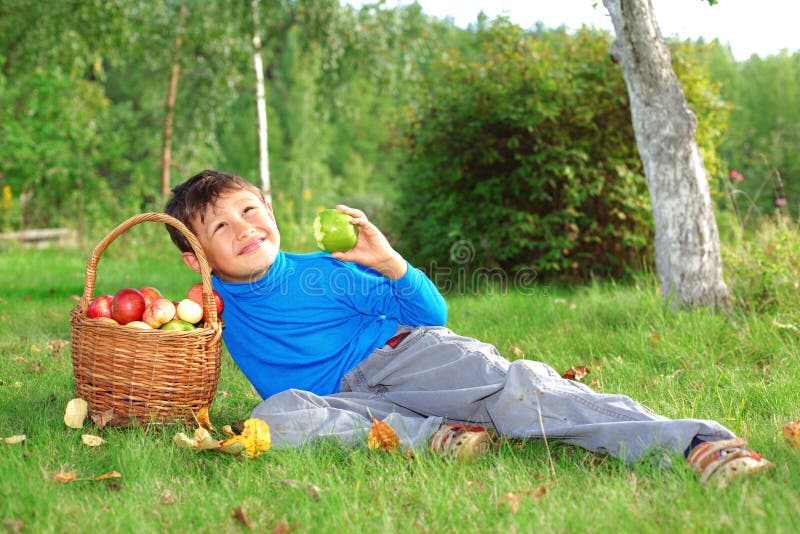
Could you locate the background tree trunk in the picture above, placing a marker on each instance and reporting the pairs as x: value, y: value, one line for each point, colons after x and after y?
x: 166, y: 153
x: 687, y: 253
x: 261, y: 108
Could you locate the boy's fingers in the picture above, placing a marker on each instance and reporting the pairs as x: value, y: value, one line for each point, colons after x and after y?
x: 355, y: 213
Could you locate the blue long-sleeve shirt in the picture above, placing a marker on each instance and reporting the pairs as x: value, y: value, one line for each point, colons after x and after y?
x: 312, y: 318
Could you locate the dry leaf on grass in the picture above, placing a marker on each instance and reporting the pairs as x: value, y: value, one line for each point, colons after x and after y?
x: 65, y: 478
x: 167, y: 497
x: 203, y: 419
x: 14, y: 439
x: 514, y: 499
x: 106, y: 476
x: 239, y: 515
x: 283, y: 526
x: 791, y: 431
x: 101, y: 419
x: 13, y: 525
x: 255, y: 438
x: 75, y: 413
x: 576, y: 373
x: 516, y: 351
x: 655, y: 339
x: 57, y: 345
x: 382, y: 437
x: 201, y: 440
x: 92, y: 441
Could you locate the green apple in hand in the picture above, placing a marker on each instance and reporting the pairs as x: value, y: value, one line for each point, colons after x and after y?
x: 333, y: 231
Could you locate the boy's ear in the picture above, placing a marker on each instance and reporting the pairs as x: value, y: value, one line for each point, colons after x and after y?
x: 191, y: 260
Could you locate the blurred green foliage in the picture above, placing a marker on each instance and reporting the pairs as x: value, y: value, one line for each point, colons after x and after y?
x: 760, y: 144
x: 525, y: 150
x: 514, y: 142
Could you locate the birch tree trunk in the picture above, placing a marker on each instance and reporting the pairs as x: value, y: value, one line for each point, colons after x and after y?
x: 687, y: 252
x: 261, y: 108
x: 166, y: 153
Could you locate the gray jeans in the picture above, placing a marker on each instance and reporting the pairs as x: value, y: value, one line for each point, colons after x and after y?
x: 435, y: 375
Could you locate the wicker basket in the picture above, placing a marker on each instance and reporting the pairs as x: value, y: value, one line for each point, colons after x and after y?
x: 136, y: 376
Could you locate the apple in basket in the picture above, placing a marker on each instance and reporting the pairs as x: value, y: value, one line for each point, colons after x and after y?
x: 196, y: 294
x: 127, y: 305
x: 158, y: 312
x: 150, y: 294
x: 100, y: 307
x: 189, y: 311
x: 177, y: 324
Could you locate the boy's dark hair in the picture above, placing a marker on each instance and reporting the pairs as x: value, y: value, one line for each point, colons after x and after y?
x: 191, y: 198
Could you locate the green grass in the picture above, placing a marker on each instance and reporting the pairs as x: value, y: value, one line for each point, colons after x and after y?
x: 735, y: 367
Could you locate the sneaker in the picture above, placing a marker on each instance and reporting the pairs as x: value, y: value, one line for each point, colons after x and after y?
x: 725, y: 460
x: 462, y: 441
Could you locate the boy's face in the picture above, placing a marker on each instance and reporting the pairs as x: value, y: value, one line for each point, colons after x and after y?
x: 239, y: 237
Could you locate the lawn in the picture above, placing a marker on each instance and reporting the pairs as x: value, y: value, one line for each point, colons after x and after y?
x: 738, y: 367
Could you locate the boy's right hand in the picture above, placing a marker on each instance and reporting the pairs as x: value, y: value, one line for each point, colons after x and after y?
x: 372, y: 248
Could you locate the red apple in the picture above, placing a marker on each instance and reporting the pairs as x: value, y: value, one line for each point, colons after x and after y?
x: 100, y: 307
x: 158, y: 312
x: 150, y: 294
x: 127, y: 305
x: 196, y: 294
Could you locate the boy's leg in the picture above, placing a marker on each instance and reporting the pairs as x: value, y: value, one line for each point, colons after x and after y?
x: 435, y: 372
x: 297, y: 417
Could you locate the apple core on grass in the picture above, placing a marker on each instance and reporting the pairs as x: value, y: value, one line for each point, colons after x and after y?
x: 333, y: 231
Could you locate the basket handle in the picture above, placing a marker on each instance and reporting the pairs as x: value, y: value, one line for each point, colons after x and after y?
x: 205, y: 270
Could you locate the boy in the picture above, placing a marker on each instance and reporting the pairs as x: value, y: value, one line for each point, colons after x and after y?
x: 332, y: 340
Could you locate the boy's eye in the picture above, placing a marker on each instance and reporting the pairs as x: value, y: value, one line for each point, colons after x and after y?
x: 219, y: 226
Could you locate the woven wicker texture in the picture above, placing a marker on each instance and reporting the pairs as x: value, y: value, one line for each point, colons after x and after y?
x: 145, y: 376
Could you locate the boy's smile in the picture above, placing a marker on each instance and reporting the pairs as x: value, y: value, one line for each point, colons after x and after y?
x: 239, y: 237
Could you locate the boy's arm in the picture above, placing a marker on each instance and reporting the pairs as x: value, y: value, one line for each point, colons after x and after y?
x: 372, y: 248
x: 416, y: 298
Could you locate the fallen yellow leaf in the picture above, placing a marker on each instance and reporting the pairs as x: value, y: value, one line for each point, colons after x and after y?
x: 382, y: 437
x: 255, y: 438
x: 791, y: 431
x: 203, y: 419
x: 65, y: 478
x: 205, y: 441
x: 92, y: 441
x: 202, y: 440
x: 182, y: 440
x: 75, y: 413
x: 513, y: 501
x: 14, y: 439
x: 106, y: 476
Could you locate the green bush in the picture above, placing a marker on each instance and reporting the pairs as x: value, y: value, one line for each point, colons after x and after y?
x: 525, y: 152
